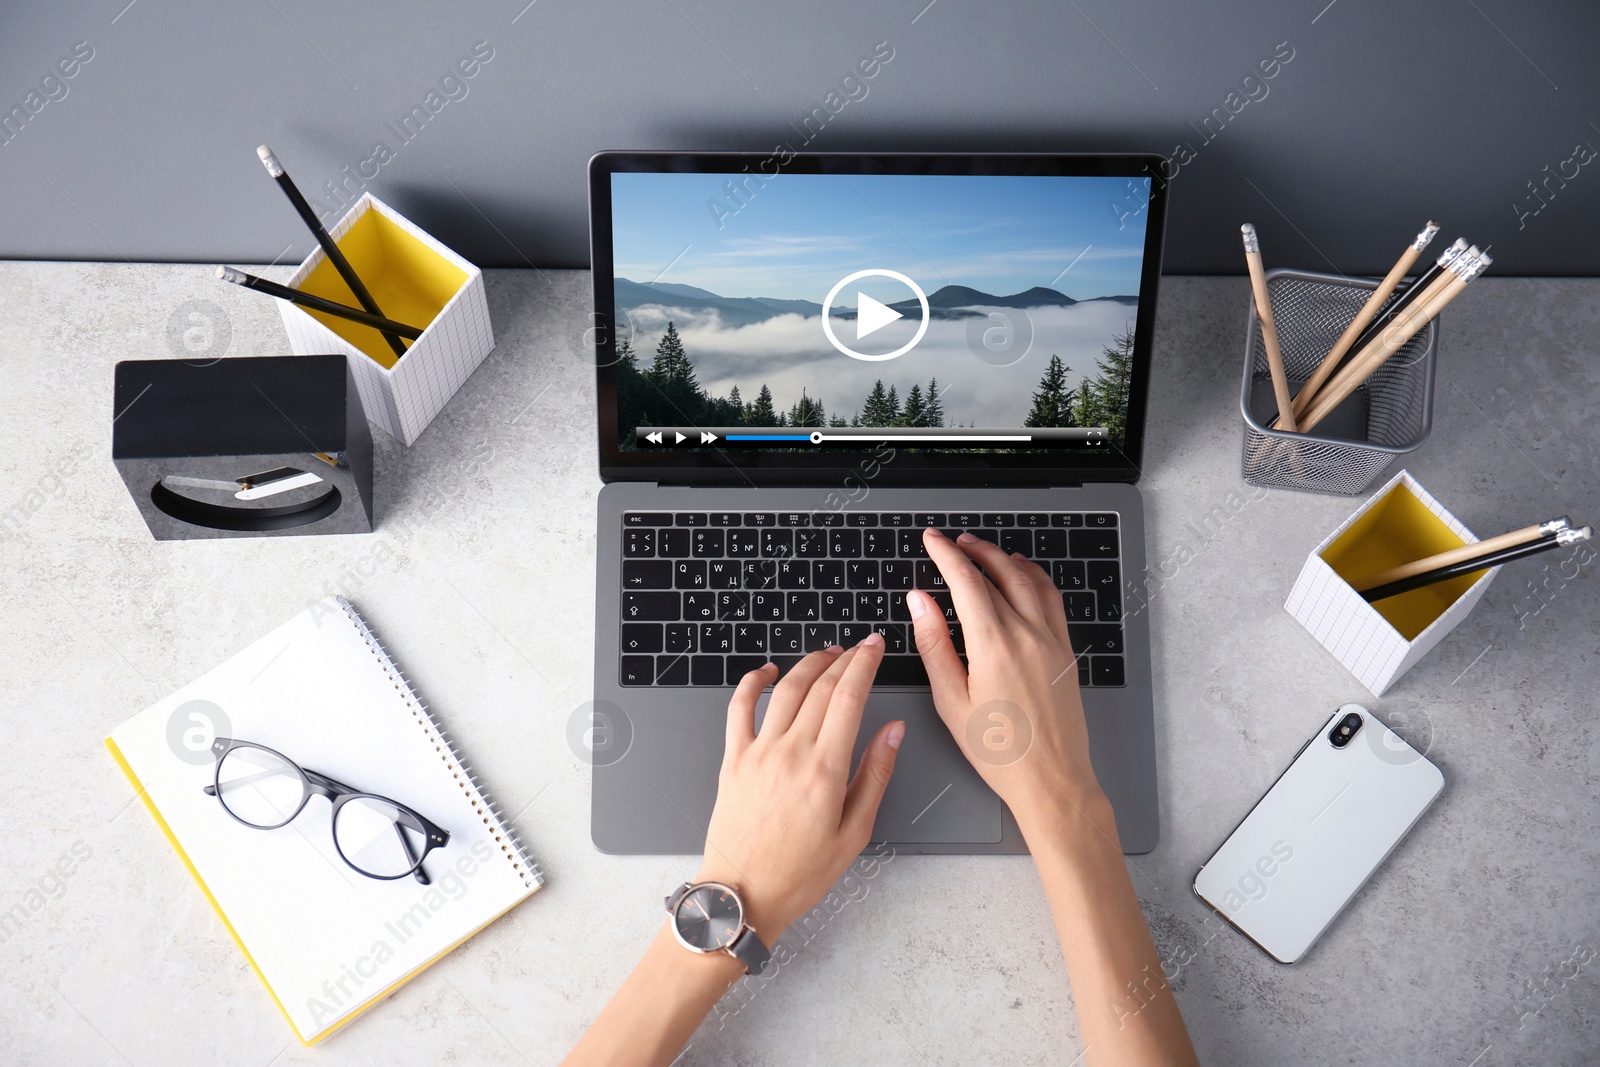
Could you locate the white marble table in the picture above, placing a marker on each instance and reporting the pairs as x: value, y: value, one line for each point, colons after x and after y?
x: 1476, y: 944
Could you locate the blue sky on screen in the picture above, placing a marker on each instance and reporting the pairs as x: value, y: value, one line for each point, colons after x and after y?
x: 797, y: 235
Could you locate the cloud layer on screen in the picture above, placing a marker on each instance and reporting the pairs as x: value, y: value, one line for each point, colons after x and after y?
x: 789, y: 352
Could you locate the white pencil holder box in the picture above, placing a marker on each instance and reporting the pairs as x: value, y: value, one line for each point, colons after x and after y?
x: 416, y: 281
x: 1380, y: 641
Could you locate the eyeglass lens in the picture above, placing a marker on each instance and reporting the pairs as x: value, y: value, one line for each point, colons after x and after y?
x: 260, y: 787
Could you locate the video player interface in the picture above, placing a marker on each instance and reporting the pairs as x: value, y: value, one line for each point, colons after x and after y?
x: 831, y: 311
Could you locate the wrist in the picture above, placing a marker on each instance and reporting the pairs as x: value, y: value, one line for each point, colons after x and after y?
x: 1075, y: 824
x: 719, y: 969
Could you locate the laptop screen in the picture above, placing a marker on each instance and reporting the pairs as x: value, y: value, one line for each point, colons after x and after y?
x: 785, y: 312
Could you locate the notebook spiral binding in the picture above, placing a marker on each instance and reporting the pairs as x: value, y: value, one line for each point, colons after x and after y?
x: 505, y: 834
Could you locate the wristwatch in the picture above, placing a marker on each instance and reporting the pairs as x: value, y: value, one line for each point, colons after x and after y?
x: 708, y: 917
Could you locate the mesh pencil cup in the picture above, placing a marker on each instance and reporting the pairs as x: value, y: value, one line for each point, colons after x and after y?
x: 1388, y: 416
x: 415, y: 280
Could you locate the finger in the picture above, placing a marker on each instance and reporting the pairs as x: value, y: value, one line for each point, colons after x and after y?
x: 1055, y: 616
x: 861, y: 800
x: 946, y: 674
x: 976, y: 606
x: 791, y: 690
x: 814, y: 708
x: 841, y: 721
x: 1007, y: 577
x: 742, y: 706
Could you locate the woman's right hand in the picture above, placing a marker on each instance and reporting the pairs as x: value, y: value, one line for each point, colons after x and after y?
x: 1014, y: 708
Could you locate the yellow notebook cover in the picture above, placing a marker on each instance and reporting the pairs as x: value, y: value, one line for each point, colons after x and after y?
x: 327, y: 941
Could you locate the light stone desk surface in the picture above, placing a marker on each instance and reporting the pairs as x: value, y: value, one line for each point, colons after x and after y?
x: 1476, y: 943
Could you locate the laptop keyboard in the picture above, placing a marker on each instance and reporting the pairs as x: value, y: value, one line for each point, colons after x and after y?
x: 707, y: 596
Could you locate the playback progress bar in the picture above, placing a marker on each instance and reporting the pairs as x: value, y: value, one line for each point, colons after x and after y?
x: 760, y: 437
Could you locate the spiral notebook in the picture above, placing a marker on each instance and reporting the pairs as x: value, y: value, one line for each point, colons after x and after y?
x: 327, y: 941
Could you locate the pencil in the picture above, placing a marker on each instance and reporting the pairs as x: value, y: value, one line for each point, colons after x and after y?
x: 336, y: 257
x: 1269, y: 328
x: 1479, y: 563
x: 1449, y: 285
x: 1455, y: 555
x: 1409, y: 295
x: 1330, y: 362
x: 1356, y: 370
x: 317, y: 303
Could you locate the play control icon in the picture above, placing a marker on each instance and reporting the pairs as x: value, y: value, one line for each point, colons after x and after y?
x: 653, y: 438
x: 873, y: 315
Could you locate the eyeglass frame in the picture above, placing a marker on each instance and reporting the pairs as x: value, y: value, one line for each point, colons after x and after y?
x: 314, y: 783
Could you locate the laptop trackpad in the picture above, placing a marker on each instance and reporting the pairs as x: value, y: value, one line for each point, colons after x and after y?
x: 935, y: 796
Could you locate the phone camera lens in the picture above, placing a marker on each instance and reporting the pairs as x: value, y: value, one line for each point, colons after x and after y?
x: 1340, y: 735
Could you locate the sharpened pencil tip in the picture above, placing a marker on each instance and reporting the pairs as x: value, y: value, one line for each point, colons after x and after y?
x: 270, y: 161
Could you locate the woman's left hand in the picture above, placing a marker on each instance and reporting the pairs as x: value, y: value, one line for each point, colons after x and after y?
x: 789, y: 819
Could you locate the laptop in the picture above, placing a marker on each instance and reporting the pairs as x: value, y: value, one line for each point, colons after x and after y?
x: 805, y: 360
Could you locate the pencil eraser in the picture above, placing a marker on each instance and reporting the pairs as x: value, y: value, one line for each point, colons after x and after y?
x: 274, y: 168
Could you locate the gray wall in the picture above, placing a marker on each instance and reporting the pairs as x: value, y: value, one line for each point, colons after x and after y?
x: 1387, y: 114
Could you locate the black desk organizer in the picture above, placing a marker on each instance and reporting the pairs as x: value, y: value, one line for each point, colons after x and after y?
x: 251, y: 446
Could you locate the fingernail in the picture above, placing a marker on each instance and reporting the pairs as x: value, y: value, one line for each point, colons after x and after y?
x: 967, y: 539
x: 834, y: 650
x: 872, y: 639
x: 917, y: 602
x: 934, y: 531
x: 1019, y: 557
x: 896, y: 734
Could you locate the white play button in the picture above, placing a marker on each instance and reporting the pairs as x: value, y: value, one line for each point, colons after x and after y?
x: 872, y: 315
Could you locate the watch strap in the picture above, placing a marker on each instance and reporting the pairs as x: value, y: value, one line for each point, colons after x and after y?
x: 749, y: 950
x: 677, y: 895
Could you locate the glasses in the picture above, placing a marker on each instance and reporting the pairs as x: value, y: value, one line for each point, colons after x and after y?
x: 376, y: 836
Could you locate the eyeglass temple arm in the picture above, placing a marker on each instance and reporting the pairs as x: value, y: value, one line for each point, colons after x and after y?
x: 411, y: 854
x: 211, y: 790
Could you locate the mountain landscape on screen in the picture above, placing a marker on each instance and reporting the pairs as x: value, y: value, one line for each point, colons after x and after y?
x: 946, y: 302
x: 688, y: 356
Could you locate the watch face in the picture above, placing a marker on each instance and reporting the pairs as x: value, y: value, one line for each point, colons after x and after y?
x: 708, y: 918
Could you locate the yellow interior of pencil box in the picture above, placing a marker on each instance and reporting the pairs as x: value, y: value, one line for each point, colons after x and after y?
x: 410, y: 282
x: 1397, y: 529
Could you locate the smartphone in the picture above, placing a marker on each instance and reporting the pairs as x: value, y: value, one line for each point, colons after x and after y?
x: 1308, y: 846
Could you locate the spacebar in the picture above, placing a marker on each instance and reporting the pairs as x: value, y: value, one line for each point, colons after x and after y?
x: 901, y: 670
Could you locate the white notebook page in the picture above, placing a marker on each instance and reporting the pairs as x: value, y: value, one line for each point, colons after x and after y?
x: 326, y: 939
